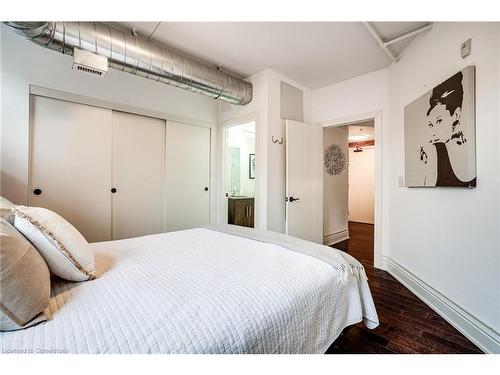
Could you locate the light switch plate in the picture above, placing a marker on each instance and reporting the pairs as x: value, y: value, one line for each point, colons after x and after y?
x: 466, y: 48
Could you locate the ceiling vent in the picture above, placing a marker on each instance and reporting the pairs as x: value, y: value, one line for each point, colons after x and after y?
x: 96, y: 45
x: 89, y: 62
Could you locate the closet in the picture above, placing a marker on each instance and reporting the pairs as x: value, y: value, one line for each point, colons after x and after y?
x: 117, y: 175
x: 137, y: 175
x: 187, y: 176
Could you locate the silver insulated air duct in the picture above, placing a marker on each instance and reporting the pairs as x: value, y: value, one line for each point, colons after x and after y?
x: 96, y: 42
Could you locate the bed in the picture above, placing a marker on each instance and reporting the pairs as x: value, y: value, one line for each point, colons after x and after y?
x: 204, y: 290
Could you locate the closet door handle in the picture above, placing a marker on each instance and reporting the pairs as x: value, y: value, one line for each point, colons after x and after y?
x: 206, y: 188
x: 37, y: 191
x: 113, y: 190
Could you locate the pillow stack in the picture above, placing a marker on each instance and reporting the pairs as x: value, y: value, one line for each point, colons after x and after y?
x: 34, y: 242
x: 6, y: 210
x: 24, y: 281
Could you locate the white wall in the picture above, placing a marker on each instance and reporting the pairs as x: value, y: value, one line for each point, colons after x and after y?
x: 245, y: 142
x: 247, y: 185
x: 24, y: 63
x: 335, y: 212
x: 358, y: 95
x: 256, y: 111
x: 361, y: 185
x: 449, y: 237
x: 362, y: 98
x: 276, y: 152
x: 265, y: 108
x: 445, y: 241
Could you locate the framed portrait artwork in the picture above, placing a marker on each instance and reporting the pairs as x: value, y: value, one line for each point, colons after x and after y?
x: 439, y: 134
x: 251, y: 166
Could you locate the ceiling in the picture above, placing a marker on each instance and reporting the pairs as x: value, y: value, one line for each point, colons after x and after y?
x: 363, y: 128
x: 314, y: 54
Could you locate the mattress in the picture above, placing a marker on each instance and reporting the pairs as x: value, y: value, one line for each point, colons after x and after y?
x: 198, y: 291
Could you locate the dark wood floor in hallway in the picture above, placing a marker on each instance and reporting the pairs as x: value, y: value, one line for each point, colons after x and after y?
x: 407, y: 325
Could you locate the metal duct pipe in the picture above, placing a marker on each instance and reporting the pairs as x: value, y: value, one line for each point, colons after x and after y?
x: 136, y: 55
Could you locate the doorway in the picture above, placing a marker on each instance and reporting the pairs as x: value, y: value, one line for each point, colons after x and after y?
x: 349, y: 189
x: 240, y: 174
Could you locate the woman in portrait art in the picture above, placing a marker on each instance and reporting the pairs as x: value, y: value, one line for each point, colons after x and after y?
x: 445, y: 131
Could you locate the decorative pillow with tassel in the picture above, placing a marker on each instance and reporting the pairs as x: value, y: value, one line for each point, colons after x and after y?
x: 65, y: 250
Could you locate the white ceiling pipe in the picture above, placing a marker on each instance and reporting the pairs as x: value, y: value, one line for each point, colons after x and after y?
x: 408, y: 34
x: 408, y: 46
x: 379, y: 41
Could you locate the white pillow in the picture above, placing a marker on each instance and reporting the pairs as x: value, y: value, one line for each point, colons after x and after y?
x: 65, y: 250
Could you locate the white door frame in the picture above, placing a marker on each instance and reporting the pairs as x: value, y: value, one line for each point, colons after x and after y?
x: 260, y: 169
x: 377, y: 118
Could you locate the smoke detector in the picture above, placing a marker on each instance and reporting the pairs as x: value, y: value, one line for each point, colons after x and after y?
x: 89, y: 62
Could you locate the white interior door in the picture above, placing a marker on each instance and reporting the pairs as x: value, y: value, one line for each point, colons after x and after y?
x: 70, y: 170
x: 138, y: 175
x: 187, y: 176
x: 304, y: 181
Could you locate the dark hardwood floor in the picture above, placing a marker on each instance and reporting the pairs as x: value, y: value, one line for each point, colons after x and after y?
x: 407, y: 325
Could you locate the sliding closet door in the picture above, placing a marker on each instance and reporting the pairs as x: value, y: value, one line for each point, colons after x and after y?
x: 187, y: 176
x: 138, y: 175
x: 70, y: 169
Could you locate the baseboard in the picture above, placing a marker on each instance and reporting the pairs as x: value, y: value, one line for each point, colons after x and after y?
x: 384, y: 263
x: 331, y: 239
x: 485, y: 337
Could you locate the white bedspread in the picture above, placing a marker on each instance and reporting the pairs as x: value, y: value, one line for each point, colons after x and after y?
x: 198, y: 291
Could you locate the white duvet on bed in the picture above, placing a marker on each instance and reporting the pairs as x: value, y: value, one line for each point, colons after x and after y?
x: 198, y: 291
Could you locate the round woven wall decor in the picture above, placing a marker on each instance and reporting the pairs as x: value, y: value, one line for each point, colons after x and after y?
x: 335, y: 161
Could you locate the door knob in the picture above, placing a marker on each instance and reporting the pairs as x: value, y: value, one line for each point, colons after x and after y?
x: 113, y: 190
x: 292, y: 199
x: 37, y: 191
x: 206, y: 188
